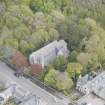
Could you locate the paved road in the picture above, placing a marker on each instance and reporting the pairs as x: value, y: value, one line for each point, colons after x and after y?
x: 93, y: 99
x: 7, y: 74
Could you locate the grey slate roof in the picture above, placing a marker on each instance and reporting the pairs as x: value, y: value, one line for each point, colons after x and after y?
x: 85, y: 80
x: 96, y: 85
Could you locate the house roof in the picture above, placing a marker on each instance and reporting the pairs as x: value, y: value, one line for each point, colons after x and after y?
x: 50, y: 47
x: 96, y: 85
x: 84, y: 80
x: 46, y: 48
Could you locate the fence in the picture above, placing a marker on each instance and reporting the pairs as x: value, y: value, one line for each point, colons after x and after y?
x: 39, y: 83
x: 44, y: 86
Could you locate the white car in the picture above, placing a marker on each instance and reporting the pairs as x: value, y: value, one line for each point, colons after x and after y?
x: 55, y: 99
x: 89, y: 104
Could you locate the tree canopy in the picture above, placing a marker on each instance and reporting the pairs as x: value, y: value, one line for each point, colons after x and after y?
x: 27, y: 25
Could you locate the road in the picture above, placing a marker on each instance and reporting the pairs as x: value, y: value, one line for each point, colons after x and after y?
x: 7, y: 74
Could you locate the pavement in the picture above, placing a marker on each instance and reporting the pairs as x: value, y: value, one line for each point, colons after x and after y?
x: 91, y: 99
x: 7, y: 75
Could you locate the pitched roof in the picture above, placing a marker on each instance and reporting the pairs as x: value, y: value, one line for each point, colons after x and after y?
x: 84, y: 80
x: 50, y: 47
x: 46, y: 48
x: 96, y: 85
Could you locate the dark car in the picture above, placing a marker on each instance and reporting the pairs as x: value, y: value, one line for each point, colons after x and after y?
x: 18, y: 73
